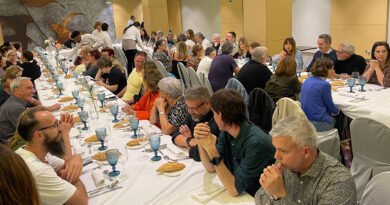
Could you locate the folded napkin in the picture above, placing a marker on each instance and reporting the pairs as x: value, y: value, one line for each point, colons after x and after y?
x: 77, y: 148
x: 207, y: 193
x: 98, y: 178
x: 176, y: 150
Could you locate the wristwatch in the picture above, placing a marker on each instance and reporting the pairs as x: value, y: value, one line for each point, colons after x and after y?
x: 161, y: 113
x: 216, y: 160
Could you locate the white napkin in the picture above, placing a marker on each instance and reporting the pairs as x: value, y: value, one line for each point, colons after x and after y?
x: 77, y: 148
x: 176, y: 150
x: 98, y: 177
x: 207, y: 193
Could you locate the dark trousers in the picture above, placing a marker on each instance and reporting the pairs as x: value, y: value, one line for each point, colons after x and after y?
x: 130, y: 54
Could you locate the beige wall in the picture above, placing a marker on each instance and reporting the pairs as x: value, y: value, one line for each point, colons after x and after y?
x: 360, y: 22
x: 1, y: 36
x: 155, y: 15
x: 232, y: 18
x: 174, y: 16
x: 122, y: 10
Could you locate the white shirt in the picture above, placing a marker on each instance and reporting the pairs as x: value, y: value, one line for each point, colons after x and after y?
x: 133, y: 33
x: 204, y: 66
x: 96, y: 32
x: 205, y: 44
x: 106, y: 39
x: 190, y: 43
x: 129, y: 22
x: 89, y: 39
x: 52, y: 189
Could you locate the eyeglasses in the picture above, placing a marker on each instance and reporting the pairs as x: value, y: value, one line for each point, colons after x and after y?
x: 55, y: 125
x: 197, y: 107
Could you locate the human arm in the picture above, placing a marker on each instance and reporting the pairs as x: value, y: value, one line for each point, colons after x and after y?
x: 374, y: 64
x: 111, y: 88
x: 80, y: 197
x: 139, y: 40
x: 97, y: 42
x: 328, y: 100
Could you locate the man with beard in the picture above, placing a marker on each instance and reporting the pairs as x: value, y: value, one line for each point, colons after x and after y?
x: 48, y: 141
x: 199, y: 110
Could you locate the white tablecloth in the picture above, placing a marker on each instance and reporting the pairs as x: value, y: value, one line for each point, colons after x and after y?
x: 141, y: 184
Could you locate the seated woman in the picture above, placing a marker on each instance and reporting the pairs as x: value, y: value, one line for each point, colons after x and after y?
x: 243, y: 51
x: 161, y: 54
x: 12, y: 58
x: 196, y: 57
x: 114, y: 80
x: 144, y: 106
x: 378, y: 71
x: 316, y: 96
x: 284, y: 83
x: 179, y: 56
x: 289, y: 49
x: 169, y: 109
x: 91, y: 69
x: 30, y: 67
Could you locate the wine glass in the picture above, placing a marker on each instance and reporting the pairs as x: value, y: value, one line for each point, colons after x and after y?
x: 112, y: 157
x: 81, y: 102
x: 83, y: 118
x: 355, y: 75
x: 362, y: 83
x: 65, y: 69
x: 143, y: 139
x: 351, y: 83
x: 134, y: 123
x: 114, y: 111
x: 75, y: 94
x: 102, y: 97
x: 60, y: 87
x: 154, y: 142
x: 75, y: 75
x: 101, y: 134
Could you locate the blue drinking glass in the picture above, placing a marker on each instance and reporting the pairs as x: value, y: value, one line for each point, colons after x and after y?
x: 101, y: 134
x: 75, y: 75
x: 76, y: 94
x: 84, y: 118
x: 134, y: 123
x: 60, y: 87
x: 351, y: 82
x: 114, y: 111
x: 80, y: 103
x: 56, y: 77
x: 362, y: 83
x: 154, y: 142
x: 101, y: 98
x: 112, y: 157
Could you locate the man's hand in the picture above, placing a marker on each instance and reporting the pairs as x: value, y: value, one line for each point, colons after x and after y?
x: 99, y: 82
x: 54, y: 107
x: 65, y: 124
x: 72, y: 169
x: 272, y: 181
x: 204, y: 137
x: 185, y: 130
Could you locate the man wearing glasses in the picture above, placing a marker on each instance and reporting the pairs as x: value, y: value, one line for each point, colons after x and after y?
x: 49, y: 157
x: 199, y: 110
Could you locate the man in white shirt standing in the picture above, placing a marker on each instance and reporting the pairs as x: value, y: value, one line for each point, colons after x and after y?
x: 131, y: 21
x: 201, y: 40
x: 87, y: 38
x: 105, y: 36
x: 47, y: 139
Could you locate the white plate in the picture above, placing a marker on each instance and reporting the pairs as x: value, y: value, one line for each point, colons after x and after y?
x: 173, y: 174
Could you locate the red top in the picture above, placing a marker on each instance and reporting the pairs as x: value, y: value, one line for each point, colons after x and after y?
x: 144, y: 106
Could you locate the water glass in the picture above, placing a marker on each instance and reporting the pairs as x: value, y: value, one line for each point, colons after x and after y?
x: 75, y: 94
x: 114, y: 109
x: 81, y: 103
x: 351, y: 82
x: 112, y: 157
x: 154, y: 142
x: 84, y: 118
x: 101, y: 134
x: 134, y: 123
x: 60, y: 87
x: 362, y: 83
x: 101, y: 98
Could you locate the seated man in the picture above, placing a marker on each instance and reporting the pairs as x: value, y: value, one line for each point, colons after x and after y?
x: 255, y: 74
x: 205, y: 63
x: 113, y: 79
x: 325, y: 50
x: 134, y: 81
x: 347, y: 61
x: 303, y: 175
x: 57, y: 179
x: 243, y: 149
x: 199, y: 110
x: 110, y: 54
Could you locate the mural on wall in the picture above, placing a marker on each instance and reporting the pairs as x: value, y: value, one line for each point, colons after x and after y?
x: 31, y: 22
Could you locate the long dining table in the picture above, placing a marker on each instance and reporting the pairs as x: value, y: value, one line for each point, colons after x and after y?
x: 138, y: 181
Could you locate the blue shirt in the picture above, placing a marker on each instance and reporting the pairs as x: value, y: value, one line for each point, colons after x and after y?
x: 316, y: 100
x: 331, y: 55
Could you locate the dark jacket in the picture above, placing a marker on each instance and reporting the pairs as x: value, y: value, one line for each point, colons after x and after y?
x: 31, y: 69
x: 261, y: 108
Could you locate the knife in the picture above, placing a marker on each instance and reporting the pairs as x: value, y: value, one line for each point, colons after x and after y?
x: 103, y: 192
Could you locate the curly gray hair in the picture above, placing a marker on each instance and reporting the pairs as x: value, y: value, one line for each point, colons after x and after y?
x: 171, y: 86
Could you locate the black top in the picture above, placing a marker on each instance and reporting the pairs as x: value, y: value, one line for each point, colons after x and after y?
x: 209, y: 117
x: 175, y: 70
x: 331, y: 55
x: 216, y: 46
x: 254, y: 75
x: 116, y: 77
x: 3, y: 97
x: 70, y: 43
x: 31, y: 69
x: 355, y: 63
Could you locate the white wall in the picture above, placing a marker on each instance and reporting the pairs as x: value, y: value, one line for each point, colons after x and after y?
x: 309, y: 19
x: 201, y: 16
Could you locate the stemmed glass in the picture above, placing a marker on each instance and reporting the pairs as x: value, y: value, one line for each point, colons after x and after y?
x: 60, y: 87
x: 101, y: 134
x: 154, y: 142
x: 134, y: 123
x: 83, y: 118
x: 351, y: 83
x: 362, y: 83
x: 114, y: 111
x: 80, y: 103
x: 75, y: 75
x: 76, y: 94
x: 143, y: 139
x: 65, y: 69
x: 56, y: 77
x: 112, y: 157
x: 355, y: 75
x: 101, y: 98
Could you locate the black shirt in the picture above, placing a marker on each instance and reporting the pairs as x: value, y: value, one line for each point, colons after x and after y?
x: 355, y: 63
x: 116, y: 77
x: 31, y: 70
x: 209, y: 117
x: 254, y: 75
x: 3, y: 97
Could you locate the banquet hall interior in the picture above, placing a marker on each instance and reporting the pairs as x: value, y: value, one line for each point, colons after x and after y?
x: 194, y: 102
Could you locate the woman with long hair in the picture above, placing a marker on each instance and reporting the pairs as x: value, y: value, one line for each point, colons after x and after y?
x: 378, y: 71
x: 289, y: 49
x: 131, y: 37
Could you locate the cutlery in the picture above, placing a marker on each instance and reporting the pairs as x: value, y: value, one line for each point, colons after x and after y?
x: 104, y: 192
